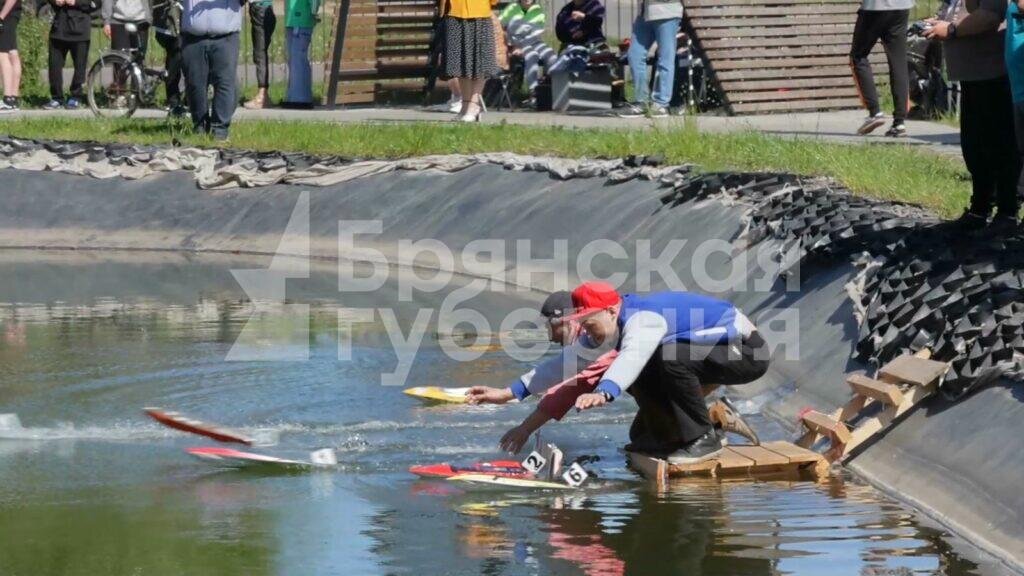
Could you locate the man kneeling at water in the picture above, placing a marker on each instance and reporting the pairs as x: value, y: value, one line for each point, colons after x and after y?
x: 673, y: 348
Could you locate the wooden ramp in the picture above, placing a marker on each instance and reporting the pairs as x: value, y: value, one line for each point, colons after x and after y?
x: 379, y: 47
x: 876, y: 404
x: 769, y: 460
x: 779, y: 55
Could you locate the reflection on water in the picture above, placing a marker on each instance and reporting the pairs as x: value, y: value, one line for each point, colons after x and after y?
x: 88, y: 486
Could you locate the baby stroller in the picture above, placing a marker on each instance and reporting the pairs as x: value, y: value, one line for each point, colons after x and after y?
x: 930, y: 95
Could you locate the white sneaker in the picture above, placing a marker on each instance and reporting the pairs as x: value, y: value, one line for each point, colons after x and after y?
x: 455, y: 105
x: 871, y: 123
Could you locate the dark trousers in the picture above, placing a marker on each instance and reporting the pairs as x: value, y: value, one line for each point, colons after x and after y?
x: 989, y: 145
x: 172, y: 63
x: 669, y: 394
x: 120, y: 39
x: 889, y: 26
x: 263, y: 24
x: 59, y: 50
x: 210, y: 61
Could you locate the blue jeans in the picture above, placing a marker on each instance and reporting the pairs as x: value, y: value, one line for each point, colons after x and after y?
x: 210, y: 61
x: 300, y: 75
x: 663, y: 33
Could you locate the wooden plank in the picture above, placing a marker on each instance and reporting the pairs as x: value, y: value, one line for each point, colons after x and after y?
x: 775, y: 74
x: 730, y: 459
x: 716, y: 54
x: 784, y: 83
x: 912, y: 370
x: 792, y: 452
x: 748, y: 31
x: 766, y: 21
x: 782, y: 63
x: 874, y: 389
x: 784, y: 95
x: 761, y: 456
x: 753, y: 11
x: 869, y: 428
x: 651, y: 468
x: 776, y: 42
x: 826, y: 425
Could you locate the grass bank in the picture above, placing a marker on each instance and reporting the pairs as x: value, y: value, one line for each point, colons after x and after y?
x: 886, y: 171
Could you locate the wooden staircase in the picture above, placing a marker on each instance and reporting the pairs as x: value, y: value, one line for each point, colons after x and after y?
x: 779, y: 55
x: 379, y: 47
x: 876, y: 403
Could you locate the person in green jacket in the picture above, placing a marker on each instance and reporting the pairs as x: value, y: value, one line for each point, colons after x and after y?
x: 524, y: 26
x: 300, y: 18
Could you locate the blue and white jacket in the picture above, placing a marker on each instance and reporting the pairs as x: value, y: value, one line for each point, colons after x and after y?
x: 645, y: 323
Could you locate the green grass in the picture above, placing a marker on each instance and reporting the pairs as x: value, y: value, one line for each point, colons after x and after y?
x: 889, y: 171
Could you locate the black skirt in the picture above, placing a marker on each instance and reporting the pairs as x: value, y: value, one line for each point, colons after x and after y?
x: 469, y: 50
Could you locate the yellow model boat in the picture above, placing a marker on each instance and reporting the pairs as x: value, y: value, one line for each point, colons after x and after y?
x: 438, y: 394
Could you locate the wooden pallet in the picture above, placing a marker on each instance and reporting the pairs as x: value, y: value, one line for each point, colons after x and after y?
x: 769, y: 460
x: 876, y: 404
x: 779, y: 55
x: 379, y: 47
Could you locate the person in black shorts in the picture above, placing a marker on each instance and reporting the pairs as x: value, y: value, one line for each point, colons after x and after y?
x: 10, y: 62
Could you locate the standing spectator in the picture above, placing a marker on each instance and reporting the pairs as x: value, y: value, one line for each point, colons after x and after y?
x: 524, y: 22
x: 974, y: 50
x: 69, y: 34
x: 261, y: 15
x: 1015, y: 70
x: 884, y: 20
x: 167, y: 25
x: 117, y: 13
x: 470, y: 53
x: 580, y: 22
x: 10, y: 62
x: 657, y: 23
x: 209, y: 49
x: 300, y: 18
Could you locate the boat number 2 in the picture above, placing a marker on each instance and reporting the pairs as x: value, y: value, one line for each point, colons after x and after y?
x: 534, y: 463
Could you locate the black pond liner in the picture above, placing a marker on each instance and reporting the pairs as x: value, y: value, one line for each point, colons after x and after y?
x: 936, y: 286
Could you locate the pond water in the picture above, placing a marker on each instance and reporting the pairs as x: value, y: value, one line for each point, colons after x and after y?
x: 88, y: 485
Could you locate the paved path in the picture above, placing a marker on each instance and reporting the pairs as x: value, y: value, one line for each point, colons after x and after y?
x: 828, y: 126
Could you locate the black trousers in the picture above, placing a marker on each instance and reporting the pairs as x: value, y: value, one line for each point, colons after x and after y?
x: 172, y: 63
x: 120, y: 39
x: 989, y: 145
x: 59, y: 50
x: 669, y: 394
x: 263, y: 24
x: 889, y: 26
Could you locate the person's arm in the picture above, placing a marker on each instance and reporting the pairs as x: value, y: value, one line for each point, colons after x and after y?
x: 107, y: 14
x: 595, y: 17
x: 6, y: 10
x: 514, y: 440
x: 562, y: 22
x: 641, y: 337
x: 985, y: 17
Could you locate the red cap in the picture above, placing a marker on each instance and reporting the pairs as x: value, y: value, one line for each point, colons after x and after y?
x: 591, y: 297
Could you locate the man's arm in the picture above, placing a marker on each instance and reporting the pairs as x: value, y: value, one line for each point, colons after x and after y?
x: 641, y: 337
x: 8, y: 6
x: 514, y: 440
x: 984, y: 16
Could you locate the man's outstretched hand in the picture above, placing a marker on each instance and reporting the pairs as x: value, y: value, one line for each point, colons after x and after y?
x: 592, y: 400
x: 514, y: 440
x: 488, y: 395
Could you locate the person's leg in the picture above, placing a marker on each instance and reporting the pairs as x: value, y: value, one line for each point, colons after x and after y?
x: 639, y: 46
x: 1003, y: 152
x: 172, y: 64
x: 894, y: 40
x: 197, y: 70
x: 531, y: 67
x: 15, y: 87
x: 865, y: 35
x: 1018, y: 121
x: 972, y: 144
x: 223, y: 62
x: 55, y: 70
x: 306, y: 67
x: 665, y: 35
x: 80, y: 60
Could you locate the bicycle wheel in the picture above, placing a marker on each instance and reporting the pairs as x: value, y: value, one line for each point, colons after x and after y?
x: 112, y: 88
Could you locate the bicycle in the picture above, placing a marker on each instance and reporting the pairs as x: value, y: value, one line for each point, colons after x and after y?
x: 119, y: 82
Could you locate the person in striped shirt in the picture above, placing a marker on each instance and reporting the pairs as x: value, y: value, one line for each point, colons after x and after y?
x: 524, y: 24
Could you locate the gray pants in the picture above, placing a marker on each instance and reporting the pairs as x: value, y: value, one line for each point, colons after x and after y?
x: 534, y: 56
x: 210, y: 61
x: 263, y: 23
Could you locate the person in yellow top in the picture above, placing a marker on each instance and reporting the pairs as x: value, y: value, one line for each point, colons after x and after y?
x: 469, y: 51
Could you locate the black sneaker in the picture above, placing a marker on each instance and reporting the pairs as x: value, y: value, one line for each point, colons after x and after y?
x: 871, y: 123
x: 971, y: 221
x: 706, y: 447
x: 53, y: 104
x: 898, y: 130
x: 1003, y: 225
x: 9, y: 104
